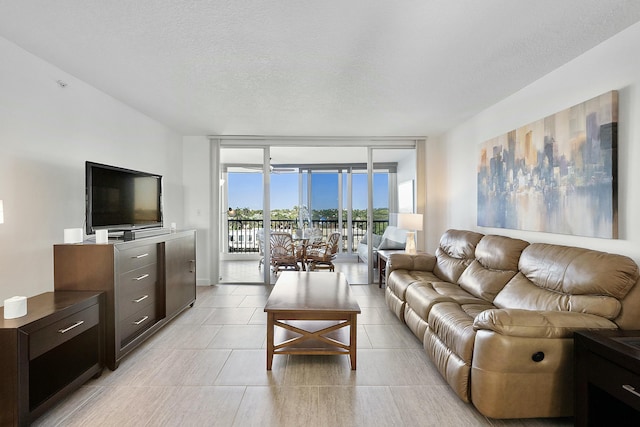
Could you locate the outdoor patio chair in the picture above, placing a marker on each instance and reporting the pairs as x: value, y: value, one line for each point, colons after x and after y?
x: 283, y: 252
x: 321, y: 255
x: 315, y: 236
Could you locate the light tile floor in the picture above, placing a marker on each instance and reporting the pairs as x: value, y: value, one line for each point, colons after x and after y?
x: 240, y: 271
x: 207, y: 368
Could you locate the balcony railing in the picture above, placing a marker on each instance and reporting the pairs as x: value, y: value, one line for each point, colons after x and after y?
x: 243, y: 232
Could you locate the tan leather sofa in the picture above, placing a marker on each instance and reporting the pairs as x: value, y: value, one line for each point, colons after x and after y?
x: 496, y: 315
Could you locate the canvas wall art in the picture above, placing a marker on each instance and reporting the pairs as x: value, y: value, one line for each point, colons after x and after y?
x: 557, y: 175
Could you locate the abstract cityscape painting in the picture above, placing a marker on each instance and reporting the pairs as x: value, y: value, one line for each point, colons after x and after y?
x: 556, y: 175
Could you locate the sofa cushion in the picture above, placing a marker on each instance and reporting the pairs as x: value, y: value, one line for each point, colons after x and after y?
x: 521, y: 293
x: 456, y: 293
x: 500, y: 252
x: 422, y: 296
x: 454, y: 327
x: 377, y: 238
x: 483, y: 282
x: 460, y: 244
x: 453, y: 369
x: 400, y: 280
x: 363, y: 248
x: 418, y: 262
x: 393, y: 238
x: 495, y: 264
x: 455, y: 253
x: 562, y: 278
x: 572, y: 270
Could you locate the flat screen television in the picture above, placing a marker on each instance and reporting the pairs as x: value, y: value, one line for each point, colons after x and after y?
x: 119, y: 199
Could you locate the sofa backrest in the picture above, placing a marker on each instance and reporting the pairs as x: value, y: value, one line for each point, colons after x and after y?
x: 496, y: 262
x: 563, y: 278
x: 456, y: 251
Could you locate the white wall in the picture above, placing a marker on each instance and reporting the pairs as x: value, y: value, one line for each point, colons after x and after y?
x: 46, y: 134
x: 407, y: 167
x: 613, y: 65
x: 196, y: 162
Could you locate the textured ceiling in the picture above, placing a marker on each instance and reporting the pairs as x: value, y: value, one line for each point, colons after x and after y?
x: 331, y: 67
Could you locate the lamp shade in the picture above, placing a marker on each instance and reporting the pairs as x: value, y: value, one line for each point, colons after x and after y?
x: 407, y: 221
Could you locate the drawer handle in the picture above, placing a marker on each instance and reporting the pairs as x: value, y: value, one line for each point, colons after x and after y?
x: 144, y: 276
x: 141, y: 320
x: 142, y: 298
x: 140, y: 256
x: 75, y: 325
x: 631, y: 389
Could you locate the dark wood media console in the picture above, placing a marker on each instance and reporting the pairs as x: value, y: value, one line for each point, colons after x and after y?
x: 147, y: 282
x: 607, y: 378
x: 52, y: 350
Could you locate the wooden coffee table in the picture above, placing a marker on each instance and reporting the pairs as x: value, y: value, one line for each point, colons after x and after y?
x: 315, y: 314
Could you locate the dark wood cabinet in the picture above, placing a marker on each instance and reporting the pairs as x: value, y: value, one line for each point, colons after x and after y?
x: 607, y: 378
x: 48, y: 353
x: 180, y: 267
x: 147, y: 282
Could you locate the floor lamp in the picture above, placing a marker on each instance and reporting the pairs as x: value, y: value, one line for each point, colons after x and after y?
x: 411, y: 223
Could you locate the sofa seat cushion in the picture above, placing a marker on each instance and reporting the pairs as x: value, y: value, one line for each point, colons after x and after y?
x: 454, y: 328
x: 453, y: 369
x: 421, y: 297
x: 395, y: 304
x: 449, y: 342
x: 417, y: 325
x: 457, y: 294
x: 400, y: 280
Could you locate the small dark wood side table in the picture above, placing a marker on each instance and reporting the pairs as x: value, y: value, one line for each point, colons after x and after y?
x: 52, y: 350
x: 383, y: 256
x: 607, y: 378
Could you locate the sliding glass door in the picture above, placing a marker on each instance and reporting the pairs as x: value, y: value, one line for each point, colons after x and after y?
x: 269, y: 187
x: 242, y: 207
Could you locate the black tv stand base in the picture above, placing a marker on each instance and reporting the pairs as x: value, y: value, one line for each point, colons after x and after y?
x: 140, y: 234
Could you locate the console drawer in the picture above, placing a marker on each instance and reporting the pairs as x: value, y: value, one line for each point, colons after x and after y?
x: 137, y: 281
x: 137, y: 323
x: 617, y: 381
x: 63, y: 330
x: 131, y: 303
x: 136, y: 257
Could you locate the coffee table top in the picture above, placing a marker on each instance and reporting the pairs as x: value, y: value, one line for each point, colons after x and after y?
x: 311, y: 291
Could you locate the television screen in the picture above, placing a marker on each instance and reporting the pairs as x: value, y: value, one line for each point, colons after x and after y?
x: 121, y: 199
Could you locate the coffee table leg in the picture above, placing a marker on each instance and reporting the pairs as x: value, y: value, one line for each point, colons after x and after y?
x: 270, y: 318
x: 353, y: 340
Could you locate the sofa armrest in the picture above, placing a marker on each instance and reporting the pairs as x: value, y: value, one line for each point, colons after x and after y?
x: 419, y: 262
x: 538, y: 324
